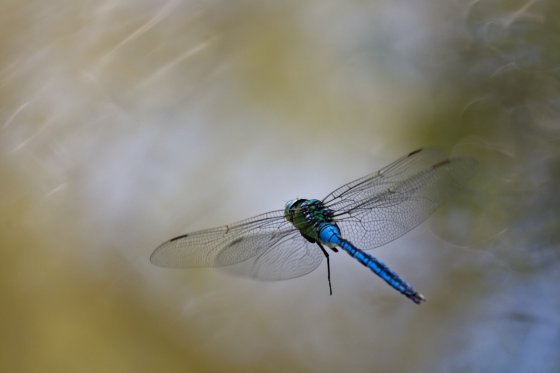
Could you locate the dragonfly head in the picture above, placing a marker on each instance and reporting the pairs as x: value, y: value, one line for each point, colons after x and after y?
x: 291, y: 207
x: 301, y: 205
x: 290, y: 204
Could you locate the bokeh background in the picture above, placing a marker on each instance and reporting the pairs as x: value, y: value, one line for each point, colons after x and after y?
x: 124, y: 123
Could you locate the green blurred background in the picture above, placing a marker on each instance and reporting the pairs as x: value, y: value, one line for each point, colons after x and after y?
x: 124, y: 123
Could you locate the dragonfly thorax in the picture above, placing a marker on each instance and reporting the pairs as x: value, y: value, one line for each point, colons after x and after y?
x: 308, y: 216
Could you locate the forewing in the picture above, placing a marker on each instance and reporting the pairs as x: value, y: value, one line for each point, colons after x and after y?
x: 379, y: 208
x: 203, y: 248
x: 369, y: 186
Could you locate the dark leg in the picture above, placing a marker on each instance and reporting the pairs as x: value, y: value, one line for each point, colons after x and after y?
x: 328, y: 265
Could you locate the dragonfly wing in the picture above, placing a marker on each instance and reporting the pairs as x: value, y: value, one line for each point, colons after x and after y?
x: 207, y: 248
x: 379, y: 208
x: 366, y: 187
x: 280, y: 257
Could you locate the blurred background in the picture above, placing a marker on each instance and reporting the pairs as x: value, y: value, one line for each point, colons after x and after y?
x: 124, y: 123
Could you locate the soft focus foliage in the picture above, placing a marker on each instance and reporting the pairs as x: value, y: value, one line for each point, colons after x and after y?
x: 124, y: 123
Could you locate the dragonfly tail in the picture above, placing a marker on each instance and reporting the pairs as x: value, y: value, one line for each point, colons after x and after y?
x: 330, y: 235
x: 382, y: 271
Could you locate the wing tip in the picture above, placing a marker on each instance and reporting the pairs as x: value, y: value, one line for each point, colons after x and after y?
x: 441, y: 163
x: 153, y: 258
x: 158, y: 251
x: 178, y: 237
x: 415, y: 152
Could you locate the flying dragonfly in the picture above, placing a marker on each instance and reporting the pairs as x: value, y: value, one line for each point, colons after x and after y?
x: 364, y: 214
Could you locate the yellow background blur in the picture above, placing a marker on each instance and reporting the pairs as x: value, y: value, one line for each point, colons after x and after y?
x: 124, y: 123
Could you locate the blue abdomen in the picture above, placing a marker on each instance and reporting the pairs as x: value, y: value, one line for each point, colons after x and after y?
x: 329, y: 234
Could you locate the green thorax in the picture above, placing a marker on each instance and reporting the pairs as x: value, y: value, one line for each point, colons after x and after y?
x: 308, y: 216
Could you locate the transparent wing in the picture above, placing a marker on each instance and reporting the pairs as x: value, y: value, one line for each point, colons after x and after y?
x: 381, y: 207
x: 202, y: 248
x: 266, y: 246
x: 288, y: 256
x: 377, y: 182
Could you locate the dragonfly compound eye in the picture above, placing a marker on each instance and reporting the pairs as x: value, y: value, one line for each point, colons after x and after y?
x: 291, y: 208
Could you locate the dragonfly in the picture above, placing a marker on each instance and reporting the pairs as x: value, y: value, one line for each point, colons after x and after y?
x: 359, y: 216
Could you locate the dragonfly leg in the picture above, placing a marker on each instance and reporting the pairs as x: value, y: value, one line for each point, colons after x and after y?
x: 328, y: 265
